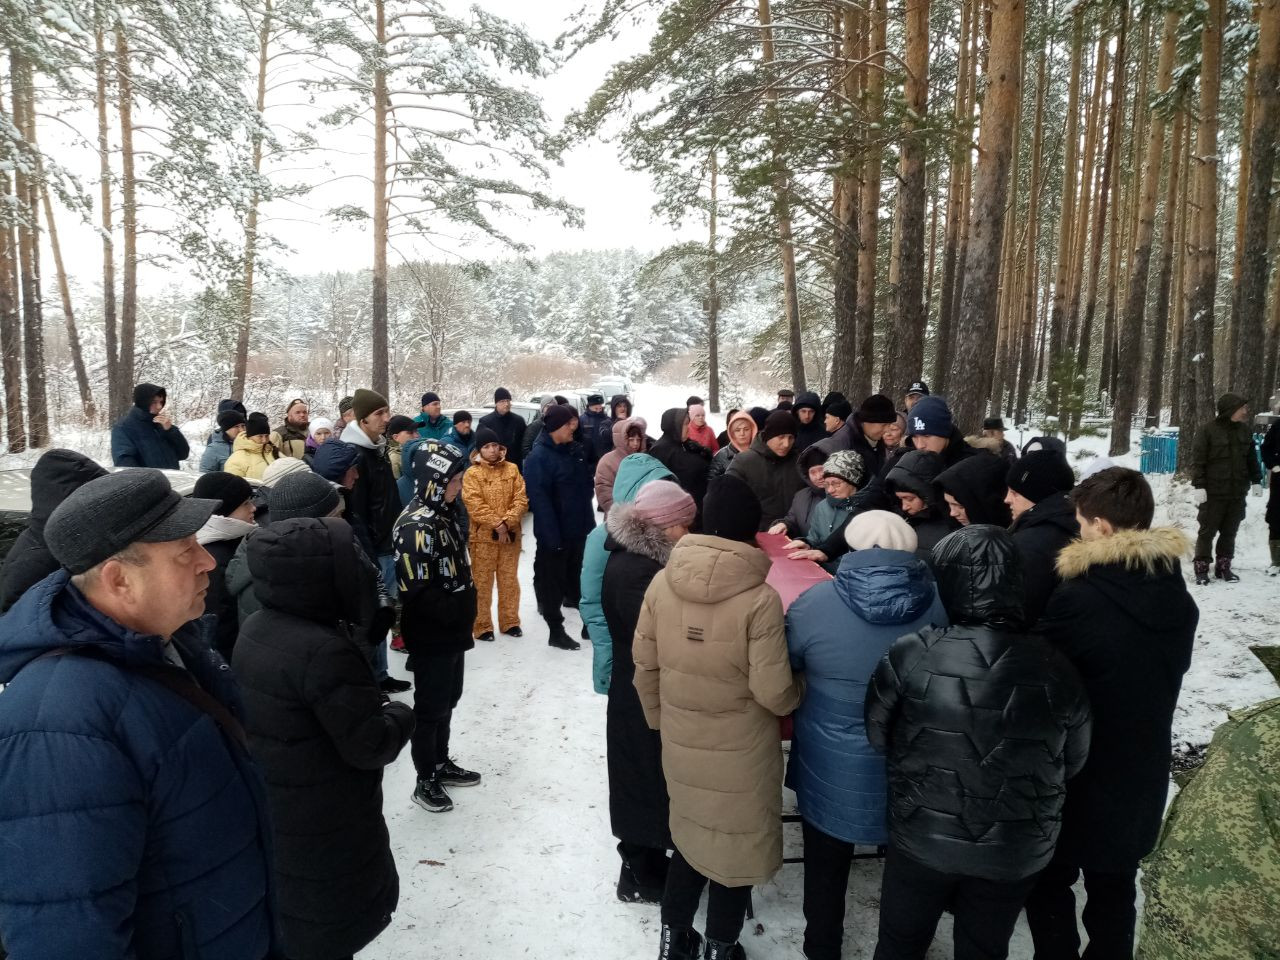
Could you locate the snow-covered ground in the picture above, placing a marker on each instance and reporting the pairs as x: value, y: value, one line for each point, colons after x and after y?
x: 525, y: 865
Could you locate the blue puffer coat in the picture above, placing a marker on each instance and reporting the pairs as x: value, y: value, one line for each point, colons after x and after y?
x: 633, y: 473
x: 837, y: 632
x: 560, y: 489
x: 132, y: 826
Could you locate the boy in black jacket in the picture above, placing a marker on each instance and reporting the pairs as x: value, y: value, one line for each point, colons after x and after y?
x: 439, y: 597
x: 1122, y: 615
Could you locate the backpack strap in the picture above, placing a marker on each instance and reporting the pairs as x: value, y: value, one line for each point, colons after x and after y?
x: 174, y: 679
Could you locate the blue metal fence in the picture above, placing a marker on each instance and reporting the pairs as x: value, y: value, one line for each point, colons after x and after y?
x: 1160, y: 453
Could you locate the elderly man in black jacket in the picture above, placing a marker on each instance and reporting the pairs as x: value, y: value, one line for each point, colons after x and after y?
x: 983, y: 725
x: 1124, y: 618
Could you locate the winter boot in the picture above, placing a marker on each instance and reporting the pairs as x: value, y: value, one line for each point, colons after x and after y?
x: 1201, y: 565
x: 514, y: 632
x: 1274, y: 569
x: 430, y: 795
x: 487, y: 636
x: 1222, y: 570
x: 643, y: 878
x: 562, y: 640
x: 716, y: 950
x: 452, y: 775
x: 680, y: 943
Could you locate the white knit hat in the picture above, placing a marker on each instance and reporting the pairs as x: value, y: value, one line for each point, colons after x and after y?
x: 321, y: 423
x: 879, y: 528
x: 282, y: 467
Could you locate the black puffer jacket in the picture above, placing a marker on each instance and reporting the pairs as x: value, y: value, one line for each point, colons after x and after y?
x: 689, y: 461
x: 1039, y: 534
x: 322, y: 734
x: 851, y: 437
x: 56, y: 475
x: 978, y: 485
x: 915, y: 473
x: 773, y: 479
x: 1270, y: 461
x: 813, y: 431
x: 982, y: 725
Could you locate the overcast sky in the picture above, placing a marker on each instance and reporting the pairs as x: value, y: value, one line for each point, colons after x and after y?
x: 615, y: 201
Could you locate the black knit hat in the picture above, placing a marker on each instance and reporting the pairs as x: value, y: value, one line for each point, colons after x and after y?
x: 502, y: 393
x: 759, y: 415
x: 302, y: 495
x: 557, y: 416
x: 840, y: 409
x: 230, y: 418
x: 257, y: 425
x: 232, y: 404
x: 486, y: 435
x: 731, y: 510
x: 993, y: 423
x: 430, y: 397
x: 780, y: 423
x: 229, y: 490
x: 462, y: 416
x: 1040, y: 474
x: 877, y: 408
x: 399, y: 424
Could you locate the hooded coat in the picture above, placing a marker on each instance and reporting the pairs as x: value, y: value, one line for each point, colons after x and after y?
x: 915, y: 473
x: 724, y: 456
x: 689, y: 460
x: 319, y: 728
x: 813, y: 431
x: 633, y: 473
x: 510, y: 428
x: 250, y: 459
x: 133, y: 825
x: 978, y: 484
x: 982, y: 725
x: 807, y: 497
x: 374, y: 502
x: 1224, y: 460
x: 493, y: 493
x: 851, y: 437
x: 607, y: 468
x: 216, y: 453
x: 221, y: 537
x: 837, y: 632
x: 638, y: 805
x: 712, y: 674
x: 773, y: 479
x: 559, y: 487
x: 1039, y: 534
x: 1122, y: 615
x: 56, y: 475
x: 138, y: 441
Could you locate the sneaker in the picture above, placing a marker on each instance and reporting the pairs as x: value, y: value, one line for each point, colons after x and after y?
x: 514, y: 632
x: 562, y: 641
x: 452, y: 775
x: 429, y: 795
x: 1273, y: 570
x: 397, y: 644
x: 392, y: 685
x: 487, y: 636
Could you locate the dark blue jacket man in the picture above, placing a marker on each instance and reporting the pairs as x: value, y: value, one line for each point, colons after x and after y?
x: 597, y: 430
x: 145, y: 436
x: 135, y: 823
x: 560, y: 488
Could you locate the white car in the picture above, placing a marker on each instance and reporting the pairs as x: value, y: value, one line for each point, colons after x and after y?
x: 610, y: 387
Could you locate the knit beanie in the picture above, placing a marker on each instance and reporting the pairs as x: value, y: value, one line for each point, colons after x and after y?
x: 847, y: 465
x: 880, y: 528
x: 929, y: 417
x: 229, y: 490
x: 231, y: 404
x: 697, y: 410
x: 486, y: 435
x: 366, y: 402
x: 277, y: 470
x: 663, y: 504
x: 840, y: 409
x: 502, y: 393
x: 321, y: 423
x: 1040, y: 474
x: 462, y: 416
x: 429, y: 398
x: 230, y: 418
x: 731, y: 510
x: 557, y: 416
x: 780, y: 423
x: 399, y: 424
x: 345, y: 404
x: 302, y: 495
x: 759, y: 415
x: 257, y: 425
x: 877, y: 408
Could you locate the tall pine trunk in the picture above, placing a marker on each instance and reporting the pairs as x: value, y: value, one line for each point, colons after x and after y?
x: 10, y: 324
x: 128, y: 224
x: 68, y: 314
x: 27, y: 188
x: 1031, y: 268
x: 1066, y: 221
x: 713, y: 290
x: 844, y: 360
x: 976, y: 329
x: 101, y: 68
x: 1168, y: 241
x: 869, y: 214
x: 381, y: 213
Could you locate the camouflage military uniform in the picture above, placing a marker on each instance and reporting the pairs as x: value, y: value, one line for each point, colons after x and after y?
x: 1213, y: 883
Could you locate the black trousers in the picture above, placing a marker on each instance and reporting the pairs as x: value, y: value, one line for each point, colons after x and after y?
x: 913, y: 897
x: 726, y: 906
x: 826, y: 882
x: 1110, y: 913
x: 557, y: 580
x: 1219, y: 517
x: 437, y: 687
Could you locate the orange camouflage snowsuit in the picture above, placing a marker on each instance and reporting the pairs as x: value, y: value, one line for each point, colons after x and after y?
x: 494, y: 493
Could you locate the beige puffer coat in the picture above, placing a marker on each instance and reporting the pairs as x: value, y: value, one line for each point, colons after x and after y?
x: 713, y: 676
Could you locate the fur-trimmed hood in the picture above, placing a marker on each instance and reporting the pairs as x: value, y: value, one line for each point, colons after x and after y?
x: 635, y: 535
x: 1157, y: 550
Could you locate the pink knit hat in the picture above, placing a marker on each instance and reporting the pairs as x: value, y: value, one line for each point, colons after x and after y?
x: 697, y: 410
x: 663, y: 504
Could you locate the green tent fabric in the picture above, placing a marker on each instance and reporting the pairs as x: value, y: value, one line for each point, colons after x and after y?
x: 1213, y: 883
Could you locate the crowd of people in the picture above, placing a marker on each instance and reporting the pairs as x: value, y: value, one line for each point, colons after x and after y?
x: 198, y: 710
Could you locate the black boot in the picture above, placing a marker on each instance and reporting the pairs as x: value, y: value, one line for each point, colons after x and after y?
x: 487, y: 636
x: 562, y: 640
x: 1201, y: 565
x: 514, y: 632
x: 680, y: 943
x: 1222, y: 570
x: 643, y: 878
x: 724, y: 951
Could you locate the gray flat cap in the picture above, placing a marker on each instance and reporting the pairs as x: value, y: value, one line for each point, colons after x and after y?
x: 108, y: 514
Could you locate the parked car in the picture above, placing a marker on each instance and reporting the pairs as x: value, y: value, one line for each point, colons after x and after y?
x: 527, y: 410
x: 612, y: 385
x: 577, y: 398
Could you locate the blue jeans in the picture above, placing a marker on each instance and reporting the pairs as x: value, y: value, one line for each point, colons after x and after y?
x: 387, y: 566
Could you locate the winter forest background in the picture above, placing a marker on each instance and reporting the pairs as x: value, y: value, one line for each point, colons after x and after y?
x: 1057, y: 211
